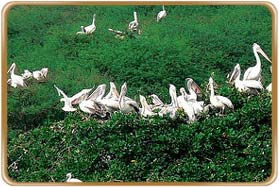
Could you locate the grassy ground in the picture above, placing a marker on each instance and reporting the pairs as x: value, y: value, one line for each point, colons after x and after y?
x: 192, y: 41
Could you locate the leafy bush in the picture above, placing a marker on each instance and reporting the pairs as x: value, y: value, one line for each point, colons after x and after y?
x: 236, y: 147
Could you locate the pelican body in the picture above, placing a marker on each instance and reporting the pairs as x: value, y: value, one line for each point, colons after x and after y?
x: 15, y: 80
x: 133, y: 25
x: 161, y: 14
x: 127, y: 105
x: 145, y: 110
x: 88, y: 29
x: 254, y: 73
x: 70, y: 179
x: 173, y: 106
x: 243, y: 85
x: 218, y: 101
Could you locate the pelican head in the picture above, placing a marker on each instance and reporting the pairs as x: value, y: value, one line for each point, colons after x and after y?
x: 258, y: 49
x: 188, y: 79
x: 69, y: 175
x: 182, y: 91
x: 82, y: 28
x: 172, y: 88
x: 124, y: 88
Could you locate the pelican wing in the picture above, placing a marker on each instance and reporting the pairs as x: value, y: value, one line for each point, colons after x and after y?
x: 225, y: 101
x: 99, y: 90
x: 80, y: 96
x: 96, y: 109
x: 253, y: 84
x: 133, y: 104
x: 247, y: 73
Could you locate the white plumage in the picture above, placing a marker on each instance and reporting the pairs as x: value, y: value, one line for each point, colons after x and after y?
x: 254, y: 73
x: 70, y: 101
x: 218, y: 101
x: 161, y: 14
x: 15, y: 80
x: 127, y: 105
x: 88, y: 29
x: 244, y: 85
x: 133, y: 25
x: 70, y: 179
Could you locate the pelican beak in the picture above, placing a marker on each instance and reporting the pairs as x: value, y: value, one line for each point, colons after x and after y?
x: 264, y: 55
x: 12, y: 66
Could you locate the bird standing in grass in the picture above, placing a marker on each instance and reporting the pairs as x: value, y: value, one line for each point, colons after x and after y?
x: 254, y: 73
x: 145, y: 109
x: 70, y: 101
x: 70, y: 179
x: 40, y: 75
x: 133, y: 25
x: 126, y: 104
x: 88, y: 29
x: 218, y: 101
x: 161, y: 14
x: 244, y: 85
x: 15, y: 80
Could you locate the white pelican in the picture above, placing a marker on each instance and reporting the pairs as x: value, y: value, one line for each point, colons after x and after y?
x: 133, y: 25
x: 161, y: 14
x: 70, y: 179
x: 118, y: 34
x: 269, y: 87
x: 40, y: 75
x: 88, y: 29
x: 15, y: 80
x: 111, y: 100
x: 187, y: 108
x: 173, y: 106
x: 243, y: 85
x: 157, y: 103
x: 145, y: 109
x: 254, y: 73
x: 27, y: 74
x: 126, y: 104
x: 69, y: 101
x: 218, y: 101
x: 91, y: 104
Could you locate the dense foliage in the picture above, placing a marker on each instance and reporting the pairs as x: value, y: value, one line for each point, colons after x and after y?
x: 44, y: 143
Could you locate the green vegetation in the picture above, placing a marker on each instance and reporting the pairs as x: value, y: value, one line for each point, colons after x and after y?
x: 44, y: 143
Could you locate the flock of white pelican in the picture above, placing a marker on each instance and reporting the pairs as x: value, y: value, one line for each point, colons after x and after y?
x: 95, y: 102
x: 20, y: 80
x: 133, y: 26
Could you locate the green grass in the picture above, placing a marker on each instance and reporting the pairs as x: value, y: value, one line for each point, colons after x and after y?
x: 192, y: 41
